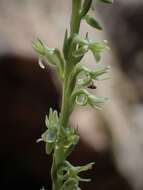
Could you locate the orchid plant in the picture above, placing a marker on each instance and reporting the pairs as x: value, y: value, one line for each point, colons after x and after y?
x: 60, y: 139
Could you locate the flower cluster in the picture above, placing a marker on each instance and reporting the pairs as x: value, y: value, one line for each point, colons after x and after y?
x: 60, y: 139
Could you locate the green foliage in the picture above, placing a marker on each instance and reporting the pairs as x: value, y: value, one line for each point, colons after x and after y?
x: 57, y: 135
x: 51, y: 55
x: 85, y: 8
x: 92, y: 22
x: 71, y: 176
x: 95, y: 47
x: 107, y: 1
x: 59, y: 138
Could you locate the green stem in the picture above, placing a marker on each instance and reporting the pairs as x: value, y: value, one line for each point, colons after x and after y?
x: 67, y: 105
x: 75, y: 18
x: 58, y: 161
x: 65, y: 109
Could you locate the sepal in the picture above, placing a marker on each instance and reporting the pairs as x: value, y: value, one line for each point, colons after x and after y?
x: 83, y: 97
x: 86, y: 76
x: 71, y: 175
x: 51, y: 55
x: 50, y: 135
x: 67, y: 139
x: 95, y: 47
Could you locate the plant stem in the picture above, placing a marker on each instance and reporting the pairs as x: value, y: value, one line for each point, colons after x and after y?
x: 65, y: 108
x: 67, y: 105
x: 58, y: 160
x: 75, y: 18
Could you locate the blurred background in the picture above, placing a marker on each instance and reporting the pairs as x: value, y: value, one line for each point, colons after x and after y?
x: 113, y: 137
